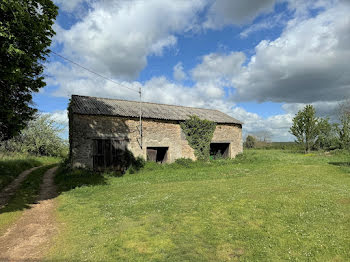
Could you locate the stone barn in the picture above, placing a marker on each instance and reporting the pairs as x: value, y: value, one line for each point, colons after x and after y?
x: 100, y: 128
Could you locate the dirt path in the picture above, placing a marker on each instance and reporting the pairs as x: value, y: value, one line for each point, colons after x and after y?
x: 11, y: 189
x: 29, y: 238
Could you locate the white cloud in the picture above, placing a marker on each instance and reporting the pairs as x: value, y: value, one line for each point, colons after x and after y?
x: 161, y: 90
x: 117, y: 37
x: 323, y: 108
x: 178, y: 72
x: 215, y: 72
x: 72, y: 80
x: 61, y: 116
x: 307, y: 63
x: 272, y: 22
x: 278, y: 125
x: 218, y: 67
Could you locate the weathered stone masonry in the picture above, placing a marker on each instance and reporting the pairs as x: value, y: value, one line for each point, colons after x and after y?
x: 83, y: 129
x: 100, y: 130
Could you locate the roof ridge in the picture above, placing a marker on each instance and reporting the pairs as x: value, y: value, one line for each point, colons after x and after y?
x: 150, y: 103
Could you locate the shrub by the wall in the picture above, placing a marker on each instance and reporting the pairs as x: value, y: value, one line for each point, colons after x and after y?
x: 199, y: 134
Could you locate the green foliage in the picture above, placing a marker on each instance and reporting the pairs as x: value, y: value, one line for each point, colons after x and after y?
x: 327, y: 138
x: 199, y: 134
x: 318, y: 133
x: 305, y: 127
x: 40, y: 137
x: 250, y: 142
x: 344, y: 131
x: 217, y: 156
x: 291, y: 146
x: 136, y: 164
x: 25, y: 37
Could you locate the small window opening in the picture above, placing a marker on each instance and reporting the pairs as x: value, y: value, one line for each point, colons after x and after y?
x: 157, y: 154
x: 218, y: 150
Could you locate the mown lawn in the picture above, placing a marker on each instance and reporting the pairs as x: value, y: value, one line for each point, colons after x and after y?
x: 267, y: 205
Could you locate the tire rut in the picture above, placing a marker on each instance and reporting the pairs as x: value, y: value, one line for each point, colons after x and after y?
x: 29, y: 238
x: 10, y: 190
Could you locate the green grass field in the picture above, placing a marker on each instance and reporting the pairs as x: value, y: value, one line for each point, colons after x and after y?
x: 266, y: 205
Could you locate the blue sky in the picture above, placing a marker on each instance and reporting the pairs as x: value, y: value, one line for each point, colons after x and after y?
x: 259, y: 61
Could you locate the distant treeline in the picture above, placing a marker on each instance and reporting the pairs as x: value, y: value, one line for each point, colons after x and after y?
x: 276, y: 145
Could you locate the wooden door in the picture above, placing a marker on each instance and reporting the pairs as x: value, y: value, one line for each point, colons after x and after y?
x: 151, y: 155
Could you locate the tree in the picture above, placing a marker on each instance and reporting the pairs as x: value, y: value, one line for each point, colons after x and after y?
x: 305, y: 127
x: 344, y: 132
x: 263, y: 136
x: 25, y: 37
x: 42, y: 136
x: 344, y: 128
x: 250, y: 141
x: 327, y: 135
x: 199, y: 134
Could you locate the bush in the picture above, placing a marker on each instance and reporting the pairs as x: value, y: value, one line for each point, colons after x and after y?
x: 137, y: 163
x: 186, y: 162
x: 217, y: 156
x: 250, y: 142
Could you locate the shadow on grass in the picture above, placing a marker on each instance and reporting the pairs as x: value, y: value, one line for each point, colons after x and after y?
x: 346, y: 164
x: 11, y: 168
x: 28, y: 192
x: 67, y: 179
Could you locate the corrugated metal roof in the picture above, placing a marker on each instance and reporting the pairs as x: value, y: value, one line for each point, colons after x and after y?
x: 104, y: 106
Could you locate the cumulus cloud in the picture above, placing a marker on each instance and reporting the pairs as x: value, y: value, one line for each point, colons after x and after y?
x: 117, y: 37
x: 223, y: 12
x: 178, y: 72
x: 61, y: 116
x: 157, y: 89
x: 323, y: 108
x: 215, y: 72
x: 161, y: 90
x: 277, y: 125
x: 218, y: 67
x: 307, y: 63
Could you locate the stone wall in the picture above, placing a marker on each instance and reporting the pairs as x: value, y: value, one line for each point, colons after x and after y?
x: 156, y: 133
x: 229, y: 134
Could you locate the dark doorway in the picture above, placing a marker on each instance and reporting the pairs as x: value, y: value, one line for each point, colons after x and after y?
x: 219, y: 150
x: 157, y: 154
x: 108, y: 154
